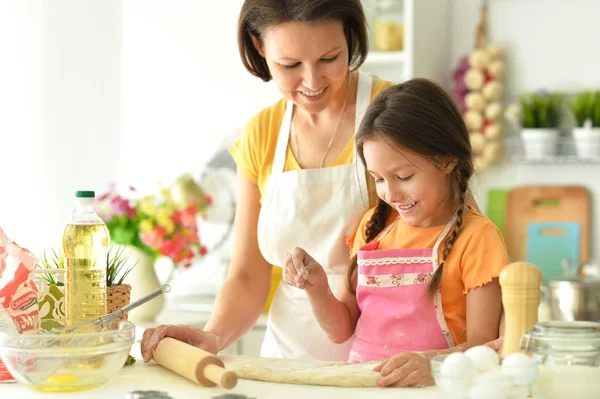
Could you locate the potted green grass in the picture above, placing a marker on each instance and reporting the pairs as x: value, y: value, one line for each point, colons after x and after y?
x: 540, y: 119
x: 585, y: 107
x: 117, y: 292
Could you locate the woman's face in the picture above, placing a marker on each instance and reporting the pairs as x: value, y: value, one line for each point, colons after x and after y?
x: 308, y: 61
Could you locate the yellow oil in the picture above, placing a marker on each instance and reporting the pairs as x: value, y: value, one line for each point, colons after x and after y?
x: 85, y: 247
x: 63, y: 383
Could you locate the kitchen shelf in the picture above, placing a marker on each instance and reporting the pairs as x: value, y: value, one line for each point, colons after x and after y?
x: 425, y: 42
x: 385, y: 57
x: 565, y: 154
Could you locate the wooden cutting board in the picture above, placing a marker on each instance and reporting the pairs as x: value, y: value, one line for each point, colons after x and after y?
x: 542, y: 204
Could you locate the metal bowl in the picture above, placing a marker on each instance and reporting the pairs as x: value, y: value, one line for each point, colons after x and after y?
x: 67, y: 362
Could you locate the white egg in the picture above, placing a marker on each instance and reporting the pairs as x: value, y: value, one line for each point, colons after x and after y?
x: 483, y: 391
x: 490, y: 385
x: 484, y: 358
x: 457, y: 365
x: 456, y: 374
x: 520, y: 367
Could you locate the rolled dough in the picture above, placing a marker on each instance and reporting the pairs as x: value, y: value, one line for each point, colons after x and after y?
x: 305, y: 372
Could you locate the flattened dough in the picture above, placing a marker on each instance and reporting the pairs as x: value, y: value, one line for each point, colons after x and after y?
x: 306, y: 372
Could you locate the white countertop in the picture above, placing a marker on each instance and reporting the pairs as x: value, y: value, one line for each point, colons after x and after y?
x: 151, y: 376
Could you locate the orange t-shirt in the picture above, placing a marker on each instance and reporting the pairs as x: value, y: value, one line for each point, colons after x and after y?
x: 477, y: 256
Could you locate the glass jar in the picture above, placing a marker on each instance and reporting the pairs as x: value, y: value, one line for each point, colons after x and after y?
x: 389, y: 25
x: 569, y: 357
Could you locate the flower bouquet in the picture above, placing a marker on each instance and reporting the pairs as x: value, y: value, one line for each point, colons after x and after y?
x: 158, y: 225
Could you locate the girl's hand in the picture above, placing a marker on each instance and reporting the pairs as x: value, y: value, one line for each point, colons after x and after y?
x: 496, y: 344
x: 405, y: 370
x: 300, y: 270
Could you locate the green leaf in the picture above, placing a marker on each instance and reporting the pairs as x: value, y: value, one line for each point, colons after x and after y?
x: 541, y: 110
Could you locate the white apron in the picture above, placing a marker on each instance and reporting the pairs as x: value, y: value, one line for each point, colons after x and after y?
x: 315, y: 209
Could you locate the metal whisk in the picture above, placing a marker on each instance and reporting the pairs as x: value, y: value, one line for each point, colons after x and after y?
x: 102, y: 321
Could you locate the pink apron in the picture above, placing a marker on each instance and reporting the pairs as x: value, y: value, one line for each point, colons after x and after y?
x: 396, y: 313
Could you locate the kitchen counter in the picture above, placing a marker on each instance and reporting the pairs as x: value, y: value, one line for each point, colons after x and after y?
x: 151, y: 376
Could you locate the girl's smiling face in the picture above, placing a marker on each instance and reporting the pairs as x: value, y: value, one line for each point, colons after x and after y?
x: 413, y: 185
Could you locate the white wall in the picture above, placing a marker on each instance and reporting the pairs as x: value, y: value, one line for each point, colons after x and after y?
x: 21, y: 201
x: 60, y: 79
x: 549, y: 44
x: 184, y: 87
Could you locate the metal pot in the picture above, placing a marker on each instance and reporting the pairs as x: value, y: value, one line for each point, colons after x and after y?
x: 574, y: 298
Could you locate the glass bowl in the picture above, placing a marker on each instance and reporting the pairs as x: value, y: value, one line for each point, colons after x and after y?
x: 70, y: 361
x: 508, y: 382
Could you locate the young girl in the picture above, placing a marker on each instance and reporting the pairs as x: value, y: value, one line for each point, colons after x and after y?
x: 424, y: 278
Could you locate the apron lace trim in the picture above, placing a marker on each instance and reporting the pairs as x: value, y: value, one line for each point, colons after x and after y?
x: 394, y: 280
x: 395, y: 261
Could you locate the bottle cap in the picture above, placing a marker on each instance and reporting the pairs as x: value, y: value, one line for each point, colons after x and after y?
x: 85, y: 194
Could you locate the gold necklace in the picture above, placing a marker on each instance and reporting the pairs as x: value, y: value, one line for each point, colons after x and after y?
x: 295, y: 134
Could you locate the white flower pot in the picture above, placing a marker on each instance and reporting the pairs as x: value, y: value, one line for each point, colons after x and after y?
x: 143, y: 280
x: 587, y: 142
x: 540, y: 143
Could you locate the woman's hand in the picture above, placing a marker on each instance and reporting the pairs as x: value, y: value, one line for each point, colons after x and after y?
x: 405, y: 370
x: 300, y: 270
x: 193, y: 336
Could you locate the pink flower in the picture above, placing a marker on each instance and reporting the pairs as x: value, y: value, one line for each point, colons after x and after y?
x: 372, y: 280
x: 397, y: 279
x: 151, y: 239
x: 423, y: 278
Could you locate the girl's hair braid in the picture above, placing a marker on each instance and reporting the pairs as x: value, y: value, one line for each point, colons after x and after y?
x: 375, y: 226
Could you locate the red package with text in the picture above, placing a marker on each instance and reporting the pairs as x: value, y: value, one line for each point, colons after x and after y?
x: 18, y: 293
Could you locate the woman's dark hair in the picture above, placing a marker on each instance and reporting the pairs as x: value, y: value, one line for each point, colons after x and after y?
x: 420, y: 117
x: 258, y: 15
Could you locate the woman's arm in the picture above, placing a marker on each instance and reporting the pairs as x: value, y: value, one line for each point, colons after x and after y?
x: 242, y: 297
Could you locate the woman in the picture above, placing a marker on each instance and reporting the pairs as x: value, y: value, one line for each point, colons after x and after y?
x: 311, y: 49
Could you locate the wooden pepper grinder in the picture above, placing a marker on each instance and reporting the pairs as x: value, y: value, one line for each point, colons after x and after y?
x: 520, y: 282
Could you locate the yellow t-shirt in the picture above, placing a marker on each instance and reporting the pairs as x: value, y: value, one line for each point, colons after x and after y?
x: 477, y: 256
x: 254, y: 152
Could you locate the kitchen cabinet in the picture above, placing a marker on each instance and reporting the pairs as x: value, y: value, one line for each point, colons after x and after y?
x: 426, y: 41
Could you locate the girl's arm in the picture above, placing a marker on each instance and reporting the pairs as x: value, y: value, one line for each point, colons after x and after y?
x: 484, y: 309
x: 337, y: 317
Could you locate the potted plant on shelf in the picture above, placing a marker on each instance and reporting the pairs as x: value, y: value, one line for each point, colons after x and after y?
x: 539, y: 121
x: 585, y: 107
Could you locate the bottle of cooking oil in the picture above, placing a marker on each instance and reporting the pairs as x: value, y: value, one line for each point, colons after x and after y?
x: 85, y: 244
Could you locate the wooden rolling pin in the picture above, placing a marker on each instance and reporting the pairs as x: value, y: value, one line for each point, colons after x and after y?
x: 520, y: 282
x: 194, y: 364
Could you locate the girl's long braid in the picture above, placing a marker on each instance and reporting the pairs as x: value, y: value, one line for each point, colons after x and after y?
x: 462, y: 186
x: 375, y: 226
